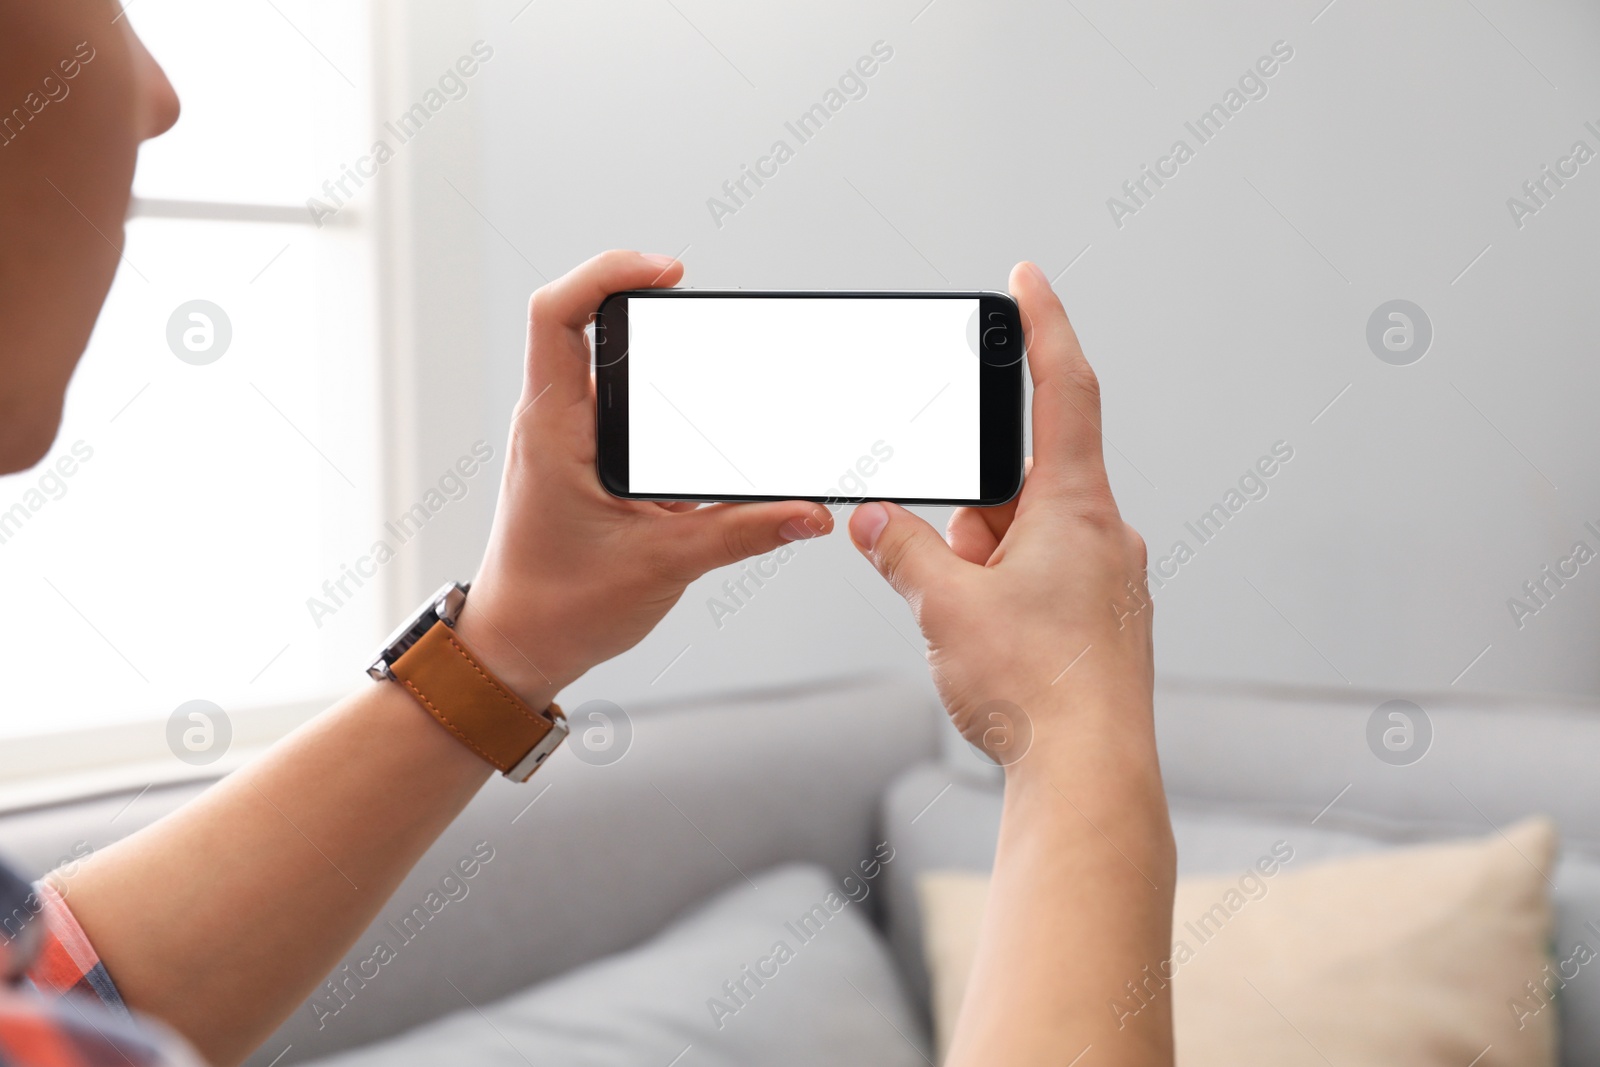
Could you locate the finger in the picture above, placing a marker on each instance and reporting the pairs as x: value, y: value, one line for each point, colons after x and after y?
x: 1066, y: 394
x: 721, y: 534
x: 975, y: 533
x: 908, y: 552
x: 678, y: 505
x: 558, y: 353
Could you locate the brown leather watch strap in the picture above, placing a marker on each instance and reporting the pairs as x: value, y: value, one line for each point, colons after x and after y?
x: 471, y: 702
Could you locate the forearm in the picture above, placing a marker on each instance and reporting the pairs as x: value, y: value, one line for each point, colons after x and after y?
x: 221, y: 918
x: 1080, y: 904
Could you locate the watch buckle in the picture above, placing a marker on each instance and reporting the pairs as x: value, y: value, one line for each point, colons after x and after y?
x: 559, y: 729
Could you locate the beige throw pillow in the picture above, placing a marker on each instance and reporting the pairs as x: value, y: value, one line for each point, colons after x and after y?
x: 1433, y: 955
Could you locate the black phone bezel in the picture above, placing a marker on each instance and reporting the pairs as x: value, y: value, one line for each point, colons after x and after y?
x: 1000, y: 391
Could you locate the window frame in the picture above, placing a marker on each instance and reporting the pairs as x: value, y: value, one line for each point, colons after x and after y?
x: 49, y: 769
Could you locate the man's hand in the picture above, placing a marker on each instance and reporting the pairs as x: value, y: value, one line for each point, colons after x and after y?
x: 1042, y: 605
x: 574, y: 576
x: 1042, y: 597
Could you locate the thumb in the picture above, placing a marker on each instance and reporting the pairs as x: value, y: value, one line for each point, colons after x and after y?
x: 722, y: 534
x: 908, y: 552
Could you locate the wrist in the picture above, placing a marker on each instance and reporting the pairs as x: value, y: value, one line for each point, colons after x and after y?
x: 525, y: 656
x: 1097, y: 760
x: 1110, y: 728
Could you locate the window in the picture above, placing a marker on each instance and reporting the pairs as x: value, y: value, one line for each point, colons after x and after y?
x: 218, y: 461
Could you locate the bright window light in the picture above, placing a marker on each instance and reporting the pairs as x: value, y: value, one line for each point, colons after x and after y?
x: 166, y: 549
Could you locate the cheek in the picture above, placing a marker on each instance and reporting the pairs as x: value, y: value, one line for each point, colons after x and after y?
x: 64, y: 192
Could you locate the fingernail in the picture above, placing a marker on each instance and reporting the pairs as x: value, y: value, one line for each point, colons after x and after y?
x: 1037, y: 273
x: 867, y: 524
x: 799, y: 530
x: 659, y: 260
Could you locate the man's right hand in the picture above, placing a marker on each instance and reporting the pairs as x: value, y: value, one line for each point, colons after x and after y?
x: 1041, y: 599
x: 1042, y: 605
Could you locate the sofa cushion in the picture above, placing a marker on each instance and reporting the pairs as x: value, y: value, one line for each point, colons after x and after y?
x: 787, y: 974
x: 1397, y: 956
x: 944, y: 816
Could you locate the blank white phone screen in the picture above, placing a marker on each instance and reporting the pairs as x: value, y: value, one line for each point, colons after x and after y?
x: 810, y: 396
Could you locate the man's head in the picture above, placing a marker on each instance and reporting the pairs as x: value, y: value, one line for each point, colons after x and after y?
x: 78, y: 94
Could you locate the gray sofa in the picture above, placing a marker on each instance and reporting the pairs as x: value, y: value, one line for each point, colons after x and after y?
x: 722, y: 798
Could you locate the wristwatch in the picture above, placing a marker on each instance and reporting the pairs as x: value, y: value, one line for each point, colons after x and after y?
x: 427, y: 657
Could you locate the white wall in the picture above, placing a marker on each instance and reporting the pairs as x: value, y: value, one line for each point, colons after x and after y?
x: 1223, y: 316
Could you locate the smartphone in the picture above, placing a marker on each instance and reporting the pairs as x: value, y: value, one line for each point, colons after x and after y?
x: 707, y: 394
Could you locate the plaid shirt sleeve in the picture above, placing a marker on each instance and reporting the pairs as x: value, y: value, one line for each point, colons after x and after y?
x: 58, y: 1005
x: 65, y: 962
